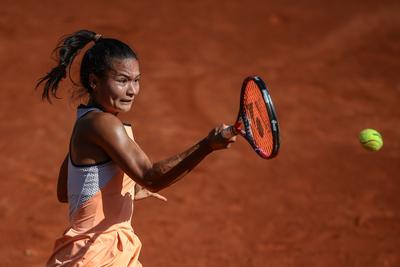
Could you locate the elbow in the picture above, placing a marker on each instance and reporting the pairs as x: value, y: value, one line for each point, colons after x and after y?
x: 151, y: 186
x: 154, y: 188
x: 152, y: 180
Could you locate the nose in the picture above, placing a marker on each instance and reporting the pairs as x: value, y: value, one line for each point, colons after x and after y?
x: 133, y: 89
x: 136, y: 88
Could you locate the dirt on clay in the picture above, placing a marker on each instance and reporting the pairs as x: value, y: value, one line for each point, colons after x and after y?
x: 332, y: 68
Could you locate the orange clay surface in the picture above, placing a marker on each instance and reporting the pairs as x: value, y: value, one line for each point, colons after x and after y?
x: 332, y: 68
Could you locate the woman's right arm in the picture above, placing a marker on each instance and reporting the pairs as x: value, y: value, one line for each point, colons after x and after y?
x: 108, y: 132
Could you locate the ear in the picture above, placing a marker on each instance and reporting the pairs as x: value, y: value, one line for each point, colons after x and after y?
x: 93, y: 81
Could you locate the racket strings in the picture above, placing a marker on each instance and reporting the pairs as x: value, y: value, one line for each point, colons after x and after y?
x: 257, y: 119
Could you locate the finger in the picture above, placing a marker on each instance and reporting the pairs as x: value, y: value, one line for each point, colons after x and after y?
x: 229, y: 132
x: 232, y: 139
x: 222, y: 127
x: 159, y: 197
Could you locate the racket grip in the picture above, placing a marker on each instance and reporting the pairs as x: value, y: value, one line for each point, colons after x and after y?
x: 229, y: 132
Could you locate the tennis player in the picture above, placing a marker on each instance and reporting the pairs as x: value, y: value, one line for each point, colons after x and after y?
x: 105, y: 169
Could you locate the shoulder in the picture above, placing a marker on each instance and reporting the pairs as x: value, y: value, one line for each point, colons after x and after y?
x: 102, y: 119
x: 103, y: 125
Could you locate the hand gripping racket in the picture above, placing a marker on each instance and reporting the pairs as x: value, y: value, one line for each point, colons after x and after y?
x: 256, y: 120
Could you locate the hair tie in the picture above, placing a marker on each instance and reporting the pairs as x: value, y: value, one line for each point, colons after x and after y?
x: 97, y: 37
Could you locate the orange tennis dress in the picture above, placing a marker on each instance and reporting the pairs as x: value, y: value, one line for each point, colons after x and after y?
x: 100, y: 232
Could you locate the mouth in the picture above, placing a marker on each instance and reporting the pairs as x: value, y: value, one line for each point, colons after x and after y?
x: 127, y: 101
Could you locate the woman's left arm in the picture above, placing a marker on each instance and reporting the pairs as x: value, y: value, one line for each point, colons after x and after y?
x: 62, y: 188
x: 141, y: 192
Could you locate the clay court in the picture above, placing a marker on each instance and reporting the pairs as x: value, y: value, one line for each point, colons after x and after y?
x: 332, y: 69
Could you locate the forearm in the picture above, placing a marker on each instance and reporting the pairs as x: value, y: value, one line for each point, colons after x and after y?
x: 171, y: 170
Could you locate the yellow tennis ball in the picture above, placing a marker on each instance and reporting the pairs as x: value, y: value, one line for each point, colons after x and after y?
x: 371, y: 139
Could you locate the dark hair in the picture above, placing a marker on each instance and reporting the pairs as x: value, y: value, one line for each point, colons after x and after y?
x: 96, y: 60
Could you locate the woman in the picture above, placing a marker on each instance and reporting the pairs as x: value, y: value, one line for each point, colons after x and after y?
x: 105, y: 169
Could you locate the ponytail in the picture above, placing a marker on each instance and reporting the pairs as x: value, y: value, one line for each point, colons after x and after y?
x: 66, y: 52
x: 96, y: 60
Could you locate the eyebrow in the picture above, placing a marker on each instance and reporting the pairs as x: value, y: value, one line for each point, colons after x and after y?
x: 127, y: 76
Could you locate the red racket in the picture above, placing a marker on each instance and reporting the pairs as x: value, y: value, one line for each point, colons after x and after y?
x: 256, y: 120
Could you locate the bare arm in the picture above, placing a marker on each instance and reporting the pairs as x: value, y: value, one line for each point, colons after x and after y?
x: 108, y: 133
x: 62, y: 192
x: 169, y: 171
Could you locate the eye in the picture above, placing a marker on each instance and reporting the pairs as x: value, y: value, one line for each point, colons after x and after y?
x: 123, y: 81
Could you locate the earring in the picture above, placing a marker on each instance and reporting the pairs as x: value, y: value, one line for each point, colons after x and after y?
x: 93, y: 85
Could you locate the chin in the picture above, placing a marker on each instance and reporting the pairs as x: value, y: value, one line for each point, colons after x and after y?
x: 124, y: 108
x: 119, y: 109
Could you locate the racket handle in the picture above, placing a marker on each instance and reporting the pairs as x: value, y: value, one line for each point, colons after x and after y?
x: 229, y: 132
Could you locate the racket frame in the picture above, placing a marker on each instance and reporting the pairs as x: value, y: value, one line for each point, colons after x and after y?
x: 242, y: 118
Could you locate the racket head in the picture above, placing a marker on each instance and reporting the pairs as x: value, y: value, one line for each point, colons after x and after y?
x: 257, y: 121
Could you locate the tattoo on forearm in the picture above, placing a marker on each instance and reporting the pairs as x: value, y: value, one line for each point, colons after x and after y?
x: 171, y: 170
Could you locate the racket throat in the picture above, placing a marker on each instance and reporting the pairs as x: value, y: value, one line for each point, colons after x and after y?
x: 237, y: 128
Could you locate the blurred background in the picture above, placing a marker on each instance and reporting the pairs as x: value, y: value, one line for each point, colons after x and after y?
x: 332, y: 68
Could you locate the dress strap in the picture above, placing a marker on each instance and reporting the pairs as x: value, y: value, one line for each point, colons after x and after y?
x: 83, y: 110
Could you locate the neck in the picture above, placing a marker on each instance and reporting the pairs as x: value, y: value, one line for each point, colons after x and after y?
x: 93, y: 103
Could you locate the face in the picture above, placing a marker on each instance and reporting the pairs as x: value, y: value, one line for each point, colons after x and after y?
x: 116, y: 91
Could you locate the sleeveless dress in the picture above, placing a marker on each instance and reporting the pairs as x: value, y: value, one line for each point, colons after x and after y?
x: 100, y: 232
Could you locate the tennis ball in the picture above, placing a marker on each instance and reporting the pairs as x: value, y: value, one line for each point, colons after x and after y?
x: 371, y: 139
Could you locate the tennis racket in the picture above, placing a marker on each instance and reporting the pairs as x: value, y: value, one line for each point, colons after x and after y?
x: 256, y: 120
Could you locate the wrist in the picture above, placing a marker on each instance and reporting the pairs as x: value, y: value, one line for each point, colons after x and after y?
x: 205, y: 145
